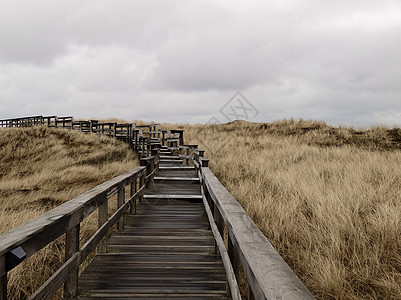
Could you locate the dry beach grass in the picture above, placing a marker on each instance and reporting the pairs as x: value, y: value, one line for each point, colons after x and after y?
x: 40, y: 168
x: 327, y: 198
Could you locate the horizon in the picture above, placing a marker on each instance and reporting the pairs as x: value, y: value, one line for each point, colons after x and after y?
x: 177, y: 61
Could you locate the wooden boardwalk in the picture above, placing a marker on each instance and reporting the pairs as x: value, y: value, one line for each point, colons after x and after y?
x: 166, y: 250
x: 181, y: 234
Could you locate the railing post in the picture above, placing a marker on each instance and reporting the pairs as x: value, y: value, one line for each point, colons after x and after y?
x: 71, y: 247
x: 102, y: 218
x: 133, y: 189
x: 219, y: 222
x: 233, y: 256
x: 143, y: 152
x: 187, y: 159
x: 3, y: 278
x: 204, y: 162
x: 232, y: 253
x: 157, y: 160
x: 149, y: 163
x: 148, y: 146
x: 120, y: 202
x: 135, y: 135
x: 141, y: 184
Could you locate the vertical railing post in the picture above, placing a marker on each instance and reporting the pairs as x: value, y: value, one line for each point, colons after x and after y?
x: 148, y: 146
x: 135, y: 134
x: 152, y: 168
x: 120, y: 202
x: 133, y: 189
x: 187, y: 159
x: 157, y: 160
x: 143, y: 152
x: 181, y: 138
x: 232, y: 253
x: 3, y: 278
x: 149, y: 163
x: 141, y: 184
x: 219, y: 222
x: 71, y: 247
x: 102, y: 218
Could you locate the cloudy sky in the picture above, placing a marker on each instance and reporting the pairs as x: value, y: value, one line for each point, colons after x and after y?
x: 184, y: 60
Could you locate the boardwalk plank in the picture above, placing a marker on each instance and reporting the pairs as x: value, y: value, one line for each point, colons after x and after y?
x: 166, y: 251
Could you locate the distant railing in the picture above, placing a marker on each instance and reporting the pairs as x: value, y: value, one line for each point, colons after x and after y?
x: 138, y: 136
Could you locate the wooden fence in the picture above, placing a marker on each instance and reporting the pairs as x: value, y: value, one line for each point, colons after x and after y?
x: 135, y: 135
x: 267, y: 274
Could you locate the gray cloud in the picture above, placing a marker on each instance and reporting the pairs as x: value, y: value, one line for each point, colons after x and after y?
x: 182, y: 61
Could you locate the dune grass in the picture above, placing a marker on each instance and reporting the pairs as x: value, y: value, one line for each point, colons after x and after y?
x: 328, y: 198
x: 40, y: 168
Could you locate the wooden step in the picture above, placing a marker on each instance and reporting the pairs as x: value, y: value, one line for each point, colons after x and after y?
x: 177, y: 168
x: 173, y: 196
x: 171, y: 161
x: 179, y: 179
x: 169, y: 157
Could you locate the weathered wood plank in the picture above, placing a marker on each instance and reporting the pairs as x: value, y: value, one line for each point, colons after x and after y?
x: 3, y: 278
x: 120, y: 203
x: 50, y: 287
x: 166, y: 246
x: 102, y: 218
x: 230, y: 275
x: 71, y: 248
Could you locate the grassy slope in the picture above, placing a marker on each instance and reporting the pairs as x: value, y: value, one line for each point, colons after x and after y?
x: 40, y: 168
x: 327, y: 198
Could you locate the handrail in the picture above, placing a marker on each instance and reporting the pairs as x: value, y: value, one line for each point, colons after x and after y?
x: 231, y: 280
x: 63, y: 217
x: 268, y: 275
x: 23, y: 241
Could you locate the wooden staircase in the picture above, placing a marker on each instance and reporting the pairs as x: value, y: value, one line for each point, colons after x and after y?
x: 166, y: 250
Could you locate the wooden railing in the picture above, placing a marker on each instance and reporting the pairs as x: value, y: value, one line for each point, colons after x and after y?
x: 128, y: 132
x: 22, y: 242
x: 267, y: 274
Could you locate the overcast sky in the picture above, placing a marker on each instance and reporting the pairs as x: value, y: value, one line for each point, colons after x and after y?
x: 183, y: 61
